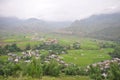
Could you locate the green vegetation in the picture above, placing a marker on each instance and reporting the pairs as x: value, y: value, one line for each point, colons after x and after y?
x: 116, y: 52
x: 47, y: 78
x: 9, y: 69
x: 54, y: 48
x: 2, y: 51
x: 9, y: 48
x: 114, y: 72
x: 33, y: 69
x: 86, y: 57
x: 52, y: 68
x: 33, y: 49
x: 73, y: 69
x: 101, y: 26
x: 77, y: 53
x: 95, y: 73
x: 111, y: 73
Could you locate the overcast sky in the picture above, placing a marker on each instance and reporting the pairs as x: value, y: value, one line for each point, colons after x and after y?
x: 57, y: 10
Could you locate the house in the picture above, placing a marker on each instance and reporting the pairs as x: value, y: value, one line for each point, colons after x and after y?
x: 16, y: 60
x: 10, y: 54
x: 105, y: 64
x: 27, y: 61
x: 51, y: 41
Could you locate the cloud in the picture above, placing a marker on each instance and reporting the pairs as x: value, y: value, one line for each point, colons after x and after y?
x: 56, y: 10
x: 111, y: 8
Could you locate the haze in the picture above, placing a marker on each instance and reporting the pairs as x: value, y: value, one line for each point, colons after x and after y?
x: 57, y: 10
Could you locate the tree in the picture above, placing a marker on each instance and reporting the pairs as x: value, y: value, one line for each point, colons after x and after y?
x: 52, y: 68
x: 28, y: 47
x: 114, y: 72
x: 76, y: 45
x: 95, y: 73
x: 7, y: 48
x: 2, y: 51
x: 116, y: 52
x: 33, y: 69
x: 12, y: 48
x: 72, y: 70
x: 9, y: 69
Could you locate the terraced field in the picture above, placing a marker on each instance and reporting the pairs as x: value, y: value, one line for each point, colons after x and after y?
x: 86, y: 57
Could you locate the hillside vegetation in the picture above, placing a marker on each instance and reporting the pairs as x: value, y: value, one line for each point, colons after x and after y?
x: 102, y: 26
x: 52, y: 57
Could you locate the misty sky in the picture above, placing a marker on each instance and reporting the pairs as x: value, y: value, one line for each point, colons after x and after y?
x: 57, y: 10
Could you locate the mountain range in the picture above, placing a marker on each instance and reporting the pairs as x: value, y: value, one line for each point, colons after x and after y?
x: 102, y: 26
x: 31, y: 25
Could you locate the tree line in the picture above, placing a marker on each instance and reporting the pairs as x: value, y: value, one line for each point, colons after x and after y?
x: 9, y: 48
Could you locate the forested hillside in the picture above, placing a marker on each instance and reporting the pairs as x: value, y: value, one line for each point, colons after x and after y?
x: 104, y: 26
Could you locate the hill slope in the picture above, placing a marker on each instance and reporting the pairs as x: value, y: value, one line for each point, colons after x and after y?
x: 105, y: 26
x: 15, y: 25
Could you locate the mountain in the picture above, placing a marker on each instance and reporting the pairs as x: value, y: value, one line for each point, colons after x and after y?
x: 104, y: 26
x: 31, y: 25
x: 109, y: 33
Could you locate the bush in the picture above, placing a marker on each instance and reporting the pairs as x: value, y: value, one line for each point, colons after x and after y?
x: 76, y: 45
x: 106, y: 45
x: 2, y: 51
x: 95, y: 73
x: 9, y: 69
x: 33, y: 69
x: 12, y: 48
x: 28, y: 47
x: 56, y: 48
x: 52, y: 68
x: 116, y: 52
x: 114, y: 72
x: 72, y: 70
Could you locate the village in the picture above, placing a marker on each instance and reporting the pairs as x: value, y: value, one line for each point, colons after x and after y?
x: 104, y: 65
x: 51, y: 50
x: 28, y: 55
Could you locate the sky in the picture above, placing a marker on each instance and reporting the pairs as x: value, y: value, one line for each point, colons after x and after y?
x: 57, y: 10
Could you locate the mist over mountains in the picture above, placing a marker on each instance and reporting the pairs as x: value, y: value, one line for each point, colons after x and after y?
x: 102, y: 26
x: 12, y: 24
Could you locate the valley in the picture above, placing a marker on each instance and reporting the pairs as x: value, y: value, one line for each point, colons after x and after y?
x: 69, y: 50
x: 35, y: 49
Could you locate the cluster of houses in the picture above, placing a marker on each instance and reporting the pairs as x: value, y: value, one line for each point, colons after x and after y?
x: 51, y: 41
x: 57, y: 58
x: 38, y: 39
x: 105, y: 65
x: 25, y: 56
x: 35, y: 37
x: 13, y: 57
